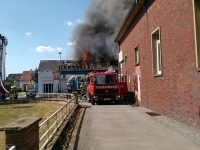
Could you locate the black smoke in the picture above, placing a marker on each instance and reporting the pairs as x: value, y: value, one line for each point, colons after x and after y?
x: 102, y: 22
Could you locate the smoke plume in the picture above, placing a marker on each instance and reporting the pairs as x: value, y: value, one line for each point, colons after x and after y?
x: 102, y: 22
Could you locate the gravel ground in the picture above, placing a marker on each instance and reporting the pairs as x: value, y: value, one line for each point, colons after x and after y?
x: 188, y: 132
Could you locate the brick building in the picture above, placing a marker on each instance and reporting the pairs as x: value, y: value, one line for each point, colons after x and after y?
x: 159, y: 51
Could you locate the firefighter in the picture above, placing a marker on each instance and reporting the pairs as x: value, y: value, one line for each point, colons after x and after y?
x: 110, y: 68
x: 68, y: 91
x: 83, y: 90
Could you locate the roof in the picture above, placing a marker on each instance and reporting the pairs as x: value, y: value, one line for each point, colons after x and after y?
x: 52, y: 65
x: 14, y: 76
x: 129, y: 18
x: 74, y: 65
x: 26, y: 75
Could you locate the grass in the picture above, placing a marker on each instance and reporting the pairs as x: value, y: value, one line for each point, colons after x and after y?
x: 12, y: 112
x: 136, y: 104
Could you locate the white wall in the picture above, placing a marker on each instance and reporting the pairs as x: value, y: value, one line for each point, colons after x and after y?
x: 46, y: 77
x: 21, y: 83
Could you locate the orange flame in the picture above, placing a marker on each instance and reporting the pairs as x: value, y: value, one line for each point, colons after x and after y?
x: 86, y: 56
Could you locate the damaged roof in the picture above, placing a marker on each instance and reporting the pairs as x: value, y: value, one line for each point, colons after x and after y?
x: 74, y: 65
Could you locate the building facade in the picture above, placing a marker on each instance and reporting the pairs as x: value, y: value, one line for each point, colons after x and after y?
x: 14, y: 78
x: 53, y: 75
x: 25, y: 81
x: 159, y: 51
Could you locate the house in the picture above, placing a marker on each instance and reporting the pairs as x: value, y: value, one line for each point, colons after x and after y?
x: 53, y: 75
x: 25, y: 81
x: 14, y: 78
x: 159, y: 51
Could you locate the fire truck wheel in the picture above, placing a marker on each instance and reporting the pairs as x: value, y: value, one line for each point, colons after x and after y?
x: 116, y: 101
x: 92, y: 101
x: 125, y: 98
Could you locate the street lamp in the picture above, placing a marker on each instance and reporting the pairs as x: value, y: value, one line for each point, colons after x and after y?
x: 60, y: 55
x: 60, y: 73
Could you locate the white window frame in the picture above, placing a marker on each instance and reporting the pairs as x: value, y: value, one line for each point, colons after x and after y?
x: 158, y: 58
x: 137, y: 58
x: 156, y: 53
x: 196, y: 12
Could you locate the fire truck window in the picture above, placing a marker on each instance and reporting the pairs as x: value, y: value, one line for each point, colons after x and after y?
x: 111, y: 79
x: 99, y: 79
x: 105, y: 79
x: 123, y: 79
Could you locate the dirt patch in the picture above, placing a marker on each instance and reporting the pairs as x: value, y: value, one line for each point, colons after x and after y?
x: 66, y: 135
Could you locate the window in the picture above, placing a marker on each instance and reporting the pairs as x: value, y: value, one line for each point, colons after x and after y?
x: 156, y: 51
x: 48, y: 88
x: 105, y: 79
x: 137, y: 56
x: 197, y: 31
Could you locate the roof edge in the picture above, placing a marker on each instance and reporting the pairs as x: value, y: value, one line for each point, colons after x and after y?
x: 133, y: 11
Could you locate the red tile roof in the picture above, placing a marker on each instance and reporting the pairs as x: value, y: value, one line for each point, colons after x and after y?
x: 26, y: 75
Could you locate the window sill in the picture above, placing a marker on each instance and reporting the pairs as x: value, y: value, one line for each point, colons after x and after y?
x: 158, y: 75
x: 137, y: 64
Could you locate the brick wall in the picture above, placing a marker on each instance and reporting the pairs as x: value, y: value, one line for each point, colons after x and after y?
x: 177, y: 93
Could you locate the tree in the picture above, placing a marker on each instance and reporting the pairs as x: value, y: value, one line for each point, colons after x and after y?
x: 8, y: 83
x: 34, y: 76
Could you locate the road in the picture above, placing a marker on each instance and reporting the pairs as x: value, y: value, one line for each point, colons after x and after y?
x: 122, y: 127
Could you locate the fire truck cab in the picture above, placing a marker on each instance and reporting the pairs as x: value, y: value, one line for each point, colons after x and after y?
x: 102, y: 86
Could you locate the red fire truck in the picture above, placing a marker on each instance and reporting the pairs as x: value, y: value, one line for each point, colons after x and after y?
x: 123, y: 88
x: 105, y: 86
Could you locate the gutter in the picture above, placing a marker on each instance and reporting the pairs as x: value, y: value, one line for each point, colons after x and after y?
x: 136, y: 5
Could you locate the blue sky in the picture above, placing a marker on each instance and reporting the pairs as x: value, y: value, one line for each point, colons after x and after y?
x: 38, y: 29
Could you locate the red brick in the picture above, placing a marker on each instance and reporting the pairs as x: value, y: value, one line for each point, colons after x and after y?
x: 177, y: 93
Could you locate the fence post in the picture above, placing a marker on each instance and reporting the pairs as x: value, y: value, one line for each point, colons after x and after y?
x: 23, y: 133
x: 76, y: 96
